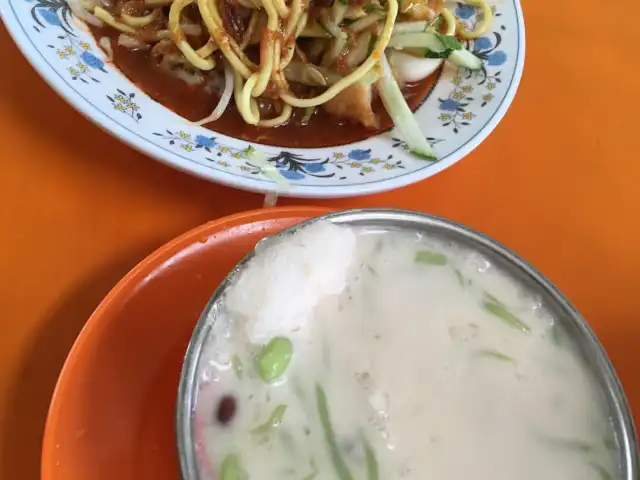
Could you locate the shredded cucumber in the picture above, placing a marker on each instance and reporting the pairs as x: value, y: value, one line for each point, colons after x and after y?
x: 496, y: 308
x: 274, y: 420
x: 415, y: 39
x: 496, y: 355
x: 268, y: 170
x: 437, y: 46
x: 372, y: 462
x: 431, y: 258
x: 341, y: 468
x: 230, y: 468
x: 465, y: 59
x: 410, y: 27
x: 401, y: 114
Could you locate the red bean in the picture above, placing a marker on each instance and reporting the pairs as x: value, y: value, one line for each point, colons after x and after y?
x: 226, y: 410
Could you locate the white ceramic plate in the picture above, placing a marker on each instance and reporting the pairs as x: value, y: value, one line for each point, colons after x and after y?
x: 460, y: 112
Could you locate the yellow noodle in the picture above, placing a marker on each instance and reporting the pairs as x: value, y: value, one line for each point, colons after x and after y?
x: 361, y: 71
x: 255, y: 111
x: 272, y: 15
x: 107, y: 18
x: 277, y: 52
x: 292, y: 22
x: 267, y: 63
x: 177, y: 35
x: 284, y: 116
x: 157, y: 3
x: 214, y: 25
x: 138, y: 22
x: 483, y: 27
x: 450, y: 19
x: 248, y: 35
x: 252, y: 112
x: 243, y: 101
x: 194, y: 58
x: 207, y: 49
x: 281, y: 8
x: 222, y: 37
x: 237, y: 88
x: 277, y: 75
x: 290, y: 50
x: 264, y: 74
x: 290, y: 46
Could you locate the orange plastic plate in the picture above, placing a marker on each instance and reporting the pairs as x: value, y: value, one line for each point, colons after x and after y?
x: 112, y: 413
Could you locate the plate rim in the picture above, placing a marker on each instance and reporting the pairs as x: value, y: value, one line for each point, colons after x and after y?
x: 133, y: 277
x: 96, y: 116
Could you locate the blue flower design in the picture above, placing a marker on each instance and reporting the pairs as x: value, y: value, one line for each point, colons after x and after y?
x: 482, y: 43
x: 449, y: 105
x: 291, y: 174
x: 206, y: 142
x: 49, y: 16
x: 91, y: 60
x: 497, y: 58
x: 465, y: 12
x: 314, y: 167
x: 360, y: 154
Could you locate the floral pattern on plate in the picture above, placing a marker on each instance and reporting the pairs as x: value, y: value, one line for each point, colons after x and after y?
x: 461, y: 110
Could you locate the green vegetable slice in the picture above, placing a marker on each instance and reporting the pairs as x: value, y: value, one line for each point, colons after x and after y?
x: 371, y: 462
x: 417, y: 40
x: 570, y: 444
x: 465, y: 59
x: 557, y: 335
x: 490, y: 353
x: 274, y: 358
x: 437, y: 46
x: 402, y: 116
x: 267, y: 169
x: 230, y: 468
x: 493, y: 299
x: 334, y: 451
x: 609, y: 444
x: 236, y: 364
x: 604, y: 474
x: 431, y: 258
x: 498, y: 309
x: 273, y: 421
x: 449, y: 42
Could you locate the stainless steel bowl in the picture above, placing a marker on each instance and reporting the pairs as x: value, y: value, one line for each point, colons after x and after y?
x: 509, y: 262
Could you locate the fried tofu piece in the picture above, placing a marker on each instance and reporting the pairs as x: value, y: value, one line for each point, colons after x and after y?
x: 354, y: 104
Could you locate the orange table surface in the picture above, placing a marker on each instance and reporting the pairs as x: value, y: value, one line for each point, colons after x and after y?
x: 558, y: 181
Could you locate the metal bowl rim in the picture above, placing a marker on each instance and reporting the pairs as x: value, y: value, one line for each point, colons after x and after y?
x: 620, y: 411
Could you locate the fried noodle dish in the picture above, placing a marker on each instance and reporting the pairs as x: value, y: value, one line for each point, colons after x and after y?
x: 287, y: 62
